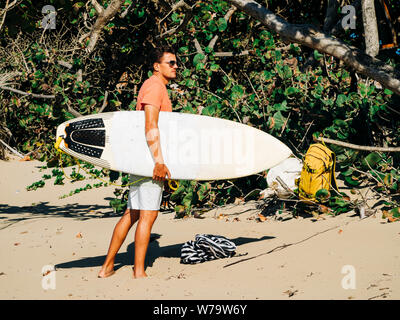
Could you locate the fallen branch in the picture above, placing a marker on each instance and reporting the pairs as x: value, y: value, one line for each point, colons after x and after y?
x: 357, y: 147
x: 12, y: 149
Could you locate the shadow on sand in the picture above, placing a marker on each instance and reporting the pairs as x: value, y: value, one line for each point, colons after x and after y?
x: 154, y: 251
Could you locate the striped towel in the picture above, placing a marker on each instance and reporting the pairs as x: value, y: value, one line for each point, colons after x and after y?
x: 206, y: 247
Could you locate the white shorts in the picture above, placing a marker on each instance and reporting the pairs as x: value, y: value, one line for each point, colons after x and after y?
x: 145, y: 194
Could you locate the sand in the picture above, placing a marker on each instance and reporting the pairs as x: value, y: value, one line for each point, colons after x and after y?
x: 341, y: 257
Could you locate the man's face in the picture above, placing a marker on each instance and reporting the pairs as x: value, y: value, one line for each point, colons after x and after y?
x: 167, y: 66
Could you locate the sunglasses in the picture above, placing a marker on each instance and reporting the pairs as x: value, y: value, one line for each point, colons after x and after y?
x: 171, y: 63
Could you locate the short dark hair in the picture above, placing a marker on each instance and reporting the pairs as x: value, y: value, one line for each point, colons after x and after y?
x: 156, y: 54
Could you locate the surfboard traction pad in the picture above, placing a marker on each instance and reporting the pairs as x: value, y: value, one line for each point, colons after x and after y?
x: 82, y: 138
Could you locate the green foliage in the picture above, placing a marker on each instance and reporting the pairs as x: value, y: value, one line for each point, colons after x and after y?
x: 268, y: 88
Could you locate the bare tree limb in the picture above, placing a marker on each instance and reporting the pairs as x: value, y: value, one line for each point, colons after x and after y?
x: 7, y: 8
x: 104, y: 16
x: 99, y: 9
x: 358, y: 147
x: 65, y: 64
x: 231, y: 54
x: 307, y: 35
x: 198, y: 47
x: 227, y: 16
x: 12, y: 149
x: 185, y: 21
x: 370, y: 28
x: 73, y: 111
x: 104, y: 102
x: 176, y: 6
x: 34, y: 95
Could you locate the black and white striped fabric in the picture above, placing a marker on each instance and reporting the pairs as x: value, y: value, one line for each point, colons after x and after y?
x: 206, y: 247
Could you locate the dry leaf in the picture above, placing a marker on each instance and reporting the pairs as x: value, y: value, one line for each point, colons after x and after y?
x: 385, y: 214
x: 17, y: 244
x: 262, y: 217
x: 272, y: 123
x: 323, y: 209
x: 26, y: 158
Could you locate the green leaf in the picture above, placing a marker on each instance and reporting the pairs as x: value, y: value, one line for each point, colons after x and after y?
x: 291, y: 90
x: 187, y: 200
x: 222, y: 24
x: 279, y: 120
x: 341, y: 99
x: 317, y: 55
x: 186, y: 73
x: 208, y: 111
x: 388, y: 92
x: 212, y: 26
x: 214, y: 67
x: 371, y: 160
x: 395, y: 212
x: 198, y: 58
x: 322, y: 195
x: 352, y: 182
x: 237, y: 92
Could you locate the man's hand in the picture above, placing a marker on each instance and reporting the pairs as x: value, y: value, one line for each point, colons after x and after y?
x: 160, y: 171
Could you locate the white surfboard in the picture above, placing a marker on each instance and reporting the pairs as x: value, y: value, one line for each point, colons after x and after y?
x: 194, y: 147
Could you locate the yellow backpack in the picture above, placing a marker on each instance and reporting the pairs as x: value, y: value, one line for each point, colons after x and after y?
x: 318, y: 171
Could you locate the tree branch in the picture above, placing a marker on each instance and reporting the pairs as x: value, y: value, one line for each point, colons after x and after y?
x: 357, y: 147
x: 370, y: 28
x: 186, y: 20
x: 104, y: 102
x: 227, y: 16
x: 307, y: 35
x: 34, y: 95
x: 6, y: 8
x: 104, y: 16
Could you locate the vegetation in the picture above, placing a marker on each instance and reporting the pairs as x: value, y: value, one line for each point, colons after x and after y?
x: 232, y: 66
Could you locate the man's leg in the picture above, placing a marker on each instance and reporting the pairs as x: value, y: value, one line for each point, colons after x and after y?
x: 142, y: 238
x: 120, y: 231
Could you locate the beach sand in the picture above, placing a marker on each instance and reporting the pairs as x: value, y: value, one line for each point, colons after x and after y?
x: 341, y: 257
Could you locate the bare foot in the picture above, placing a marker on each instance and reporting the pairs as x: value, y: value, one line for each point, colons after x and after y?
x: 104, y: 273
x: 138, y: 275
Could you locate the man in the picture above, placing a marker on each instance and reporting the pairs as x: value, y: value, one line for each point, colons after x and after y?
x: 145, y: 196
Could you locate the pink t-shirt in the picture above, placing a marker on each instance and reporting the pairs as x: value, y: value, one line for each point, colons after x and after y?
x: 154, y: 92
